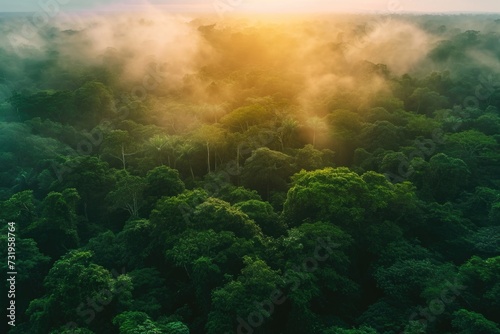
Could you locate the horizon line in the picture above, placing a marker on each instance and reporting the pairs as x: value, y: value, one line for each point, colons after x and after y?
x: 373, y: 12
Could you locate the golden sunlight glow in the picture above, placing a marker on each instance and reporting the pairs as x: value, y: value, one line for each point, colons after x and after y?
x: 314, y: 6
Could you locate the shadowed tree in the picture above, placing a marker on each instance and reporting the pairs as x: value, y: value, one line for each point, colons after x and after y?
x: 267, y: 170
x: 119, y: 145
x: 161, y: 181
x: 128, y: 193
x: 467, y: 322
x: 56, y: 229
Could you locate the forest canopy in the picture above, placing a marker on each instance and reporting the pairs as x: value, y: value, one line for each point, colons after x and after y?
x: 318, y: 174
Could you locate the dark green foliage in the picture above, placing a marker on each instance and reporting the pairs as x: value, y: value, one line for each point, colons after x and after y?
x: 285, y: 177
x: 471, y: 323
x: 162, y: 181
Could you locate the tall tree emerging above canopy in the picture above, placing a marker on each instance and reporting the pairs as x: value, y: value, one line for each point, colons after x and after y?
x: 337, y: 195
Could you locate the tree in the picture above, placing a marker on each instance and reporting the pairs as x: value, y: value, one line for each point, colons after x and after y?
x: 119, y: 145
x: 93, y: 101
x: 173, y: 214
x: 413, y: 279
x: 31, y: 266
x: 256, y: 282
x: 468, y: 322
x: 309, y: 158
x: 335, y: 195
x: 235, y: 195
x: 76, y: 291
x: 448, y: 177
x: 135, y: 238
x: 425, y: 101
x: 56, y: 105
x: 482, y: 279
x: 20, y: 208
x: 382, y: 134
x: 317, y: 126
x: 263, y: 214
x: 66, y: 330
x: 150, y: 292
x: 160, y: 146
x: 243, y: 118
x: 56, y: 229
x: 206, y: 276
x: 221, y: 216
x: 107, y: 249
x: 384, y: 315
x: 361, y: 330
x: 162, y: 181
x: 132, y: 322
x: 470, y: 145
x: 93, y: 180
x: 192, y: 246
x: 187, y: 150
x: 345, y: 129
x: 286, y: 131
x: 176, y: 327
x: 128, y: 194
x: 267, y: 170
x: 212, y: 137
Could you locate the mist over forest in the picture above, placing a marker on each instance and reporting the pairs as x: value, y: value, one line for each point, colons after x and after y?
x: 321, y: 174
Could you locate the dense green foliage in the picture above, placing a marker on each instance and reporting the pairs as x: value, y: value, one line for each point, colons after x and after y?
x: 238, y: 199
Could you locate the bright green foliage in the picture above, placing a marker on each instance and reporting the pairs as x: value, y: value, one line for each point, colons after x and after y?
x: 176, y: 327
x: 221, y: 216
x: 337, y: 195
x: 136, y: 323
x: 19, y: 208
x: 239, y: 194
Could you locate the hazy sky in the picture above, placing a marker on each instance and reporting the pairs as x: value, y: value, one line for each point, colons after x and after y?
x: 383, y: 6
